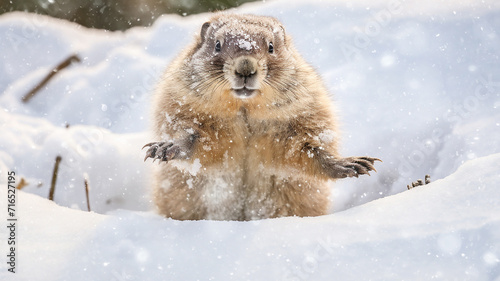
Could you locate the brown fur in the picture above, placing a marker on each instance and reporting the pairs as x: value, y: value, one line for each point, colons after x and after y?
x: 267, y: 155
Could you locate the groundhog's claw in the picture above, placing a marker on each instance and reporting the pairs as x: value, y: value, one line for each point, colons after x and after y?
x: 352, y: 167
x: 164, y: 151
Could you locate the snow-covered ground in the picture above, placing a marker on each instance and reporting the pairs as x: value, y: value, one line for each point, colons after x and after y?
x: 417, y: 84
x: 448, y: 230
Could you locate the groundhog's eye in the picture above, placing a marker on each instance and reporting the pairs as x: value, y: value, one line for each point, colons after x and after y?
x: 271, y: 47
x: 217, y: 46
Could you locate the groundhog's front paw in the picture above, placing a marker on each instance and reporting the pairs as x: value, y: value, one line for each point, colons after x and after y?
x: 165, y: 151
x: 351, y: 167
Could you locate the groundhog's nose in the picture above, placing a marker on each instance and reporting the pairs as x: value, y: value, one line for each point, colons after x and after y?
x: 245, y: 67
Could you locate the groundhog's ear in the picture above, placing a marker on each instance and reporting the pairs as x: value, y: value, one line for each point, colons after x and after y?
x: 203, y: 32
x: 283, y: 30
x: 281, y: 33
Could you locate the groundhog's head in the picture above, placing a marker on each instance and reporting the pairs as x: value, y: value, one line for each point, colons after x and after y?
x: 245, y: 57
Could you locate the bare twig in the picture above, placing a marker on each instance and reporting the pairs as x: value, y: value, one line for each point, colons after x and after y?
x: 54, y: 178
x: 22, y: 184
x: 87, y: 193
x: 59, y: 67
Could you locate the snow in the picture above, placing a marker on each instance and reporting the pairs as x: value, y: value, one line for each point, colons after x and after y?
x: 447, y: 230
x: 192, y: 168
x: 416, y: 84
x: 244, y: 44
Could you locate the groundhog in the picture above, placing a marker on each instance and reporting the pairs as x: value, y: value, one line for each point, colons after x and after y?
x: 245, y: 128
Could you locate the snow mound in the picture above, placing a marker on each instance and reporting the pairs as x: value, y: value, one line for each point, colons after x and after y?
x: 112, y: 163
x: 416, y: 85
x: 447, y: 230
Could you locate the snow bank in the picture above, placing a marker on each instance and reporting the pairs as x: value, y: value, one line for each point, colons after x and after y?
x: 415, y: 85
x: 447, y: 230
x: 111, y: 162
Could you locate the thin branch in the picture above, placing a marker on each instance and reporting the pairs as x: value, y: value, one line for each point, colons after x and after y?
x: 59, y: 67
x: 22, y: 184
x: 87, y: 193
x: 54, y: 178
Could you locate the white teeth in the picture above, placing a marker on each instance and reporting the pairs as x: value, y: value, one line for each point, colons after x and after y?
x: 244, y: 87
